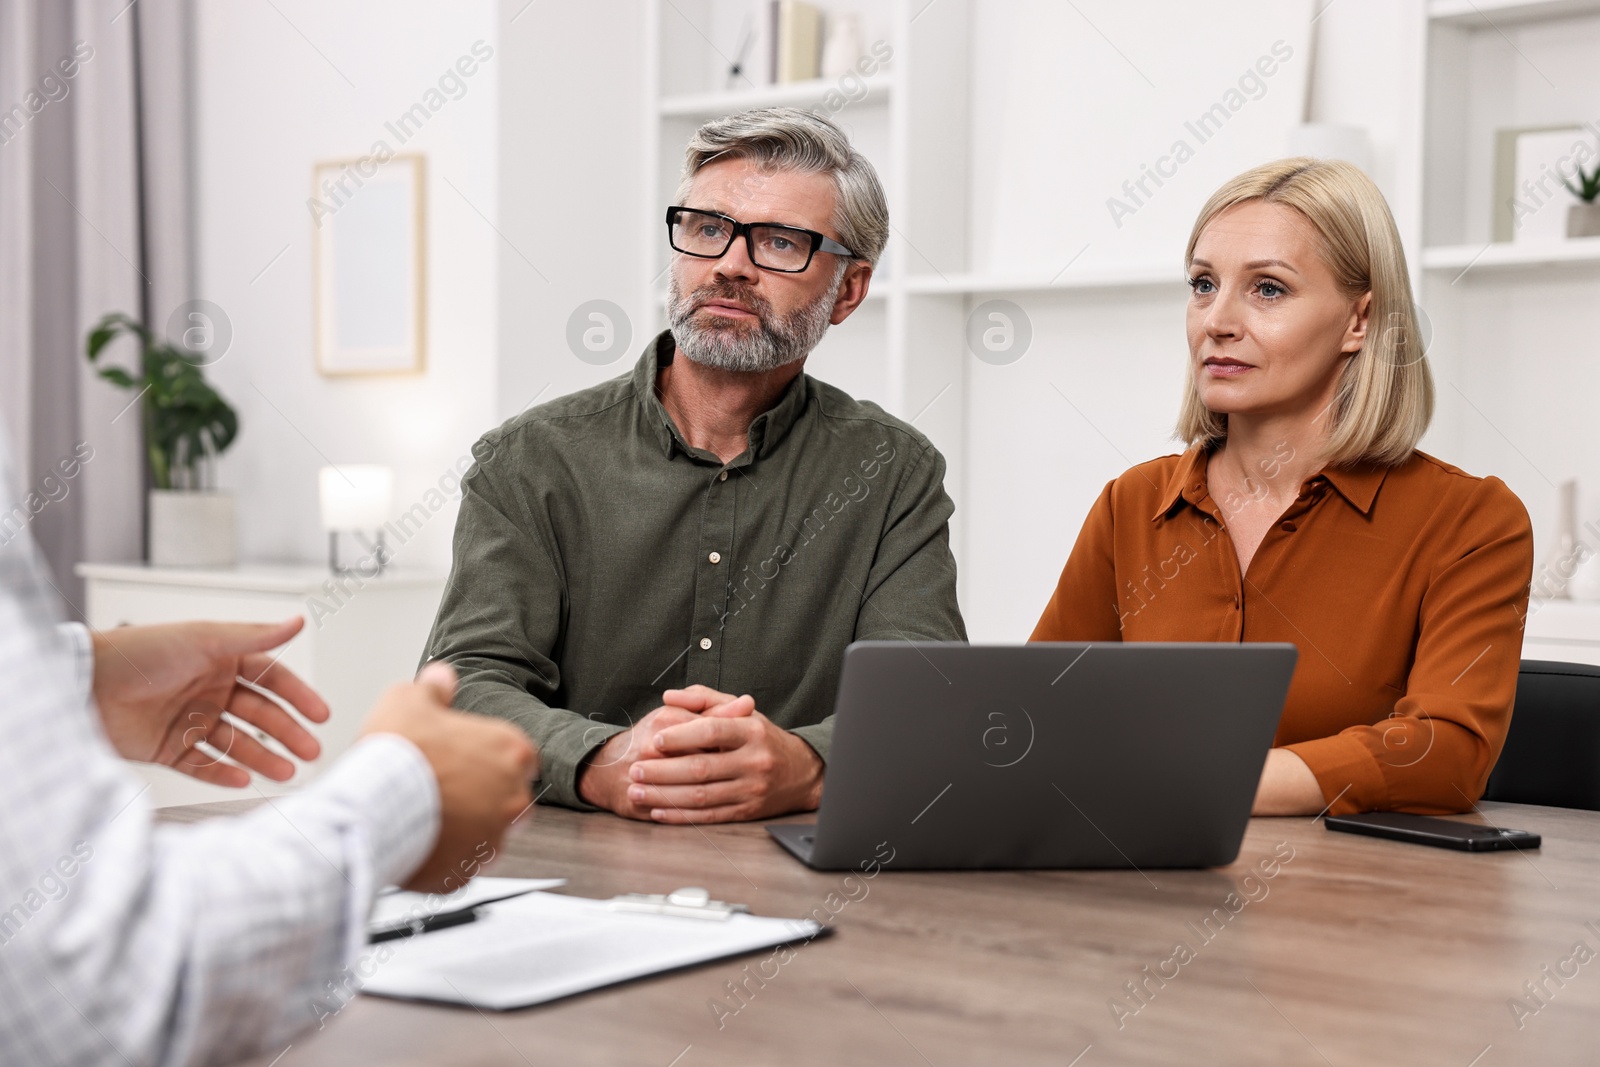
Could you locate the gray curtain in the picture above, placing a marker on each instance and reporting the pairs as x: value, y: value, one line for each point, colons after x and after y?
x: 95, y: 168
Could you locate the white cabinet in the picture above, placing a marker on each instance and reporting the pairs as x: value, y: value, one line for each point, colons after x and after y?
x: 1564, y: 630
x: 361, y: 635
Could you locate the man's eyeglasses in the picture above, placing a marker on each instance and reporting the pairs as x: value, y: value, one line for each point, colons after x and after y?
x: 708, y: 235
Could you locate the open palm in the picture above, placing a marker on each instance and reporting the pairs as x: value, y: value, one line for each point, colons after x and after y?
x: 164, y: 690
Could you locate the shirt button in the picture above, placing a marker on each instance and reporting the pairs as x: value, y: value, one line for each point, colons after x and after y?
x: 1288, y: 527
x: 1236, y: 602
x: 705, y: 642
x: 715, y: 557
x: 722, y: 477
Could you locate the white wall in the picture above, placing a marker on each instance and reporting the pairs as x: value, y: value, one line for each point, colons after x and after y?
x: 1514, y: 352
x: 571, y: 163
x: 1068, y: 104
x: 278, y: 87
x: 1074, y: 103
x: 1059, y: 118
x: 549, y: 143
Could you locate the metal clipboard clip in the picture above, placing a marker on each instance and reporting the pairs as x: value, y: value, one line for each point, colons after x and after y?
x: 690, y: 903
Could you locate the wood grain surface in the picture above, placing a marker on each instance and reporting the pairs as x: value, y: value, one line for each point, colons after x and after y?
x: 1313, y: 948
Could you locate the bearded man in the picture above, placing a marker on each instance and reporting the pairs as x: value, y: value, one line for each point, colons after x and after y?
x: 657, y: 577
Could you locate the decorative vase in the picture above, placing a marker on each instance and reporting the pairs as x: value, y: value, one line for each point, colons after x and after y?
x: 1585, y: 582
x: 842, y: 48
x: 1583, y: 220
x: 189, y: 528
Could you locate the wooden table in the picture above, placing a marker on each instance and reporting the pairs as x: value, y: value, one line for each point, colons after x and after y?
x: 1354, y: 951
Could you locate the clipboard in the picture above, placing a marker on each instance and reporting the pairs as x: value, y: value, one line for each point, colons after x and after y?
x: 398, y: 913
x: 540, y: 947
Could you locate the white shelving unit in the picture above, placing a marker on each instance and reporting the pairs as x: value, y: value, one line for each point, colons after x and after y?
x: 793, y: 94
x: 1514, y: 322
x: 903, y: 117
x: 1492, y: 256
x: 1505, y: 12
x: 1513, y: 325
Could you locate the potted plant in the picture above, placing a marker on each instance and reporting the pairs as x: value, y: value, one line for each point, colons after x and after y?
x: 187, y: 424
x: 1583, y: 220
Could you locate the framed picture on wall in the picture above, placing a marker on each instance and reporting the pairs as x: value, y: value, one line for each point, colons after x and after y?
x: 368, y: 266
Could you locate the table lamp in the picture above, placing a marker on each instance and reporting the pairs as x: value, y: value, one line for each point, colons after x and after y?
x: 356, y: 499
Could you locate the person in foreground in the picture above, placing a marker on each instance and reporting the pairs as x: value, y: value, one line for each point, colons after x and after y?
x: 125, y: 942
x: 1302, y: 511
x: 715, y: 521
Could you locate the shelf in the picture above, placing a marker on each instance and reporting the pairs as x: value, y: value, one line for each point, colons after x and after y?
x: 296, y: 578
x: 792, y: 94
x: 1485, y: 13
x: 1505, y: 255
x: 1563, y: 620
x: 878, y: 291
x: 1133, y: 276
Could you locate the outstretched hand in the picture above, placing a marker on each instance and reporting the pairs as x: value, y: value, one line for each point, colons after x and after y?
x: 483, y: 767
x: 162, y: 690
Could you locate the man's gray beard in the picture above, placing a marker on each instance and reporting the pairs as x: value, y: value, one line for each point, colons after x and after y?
x: 775, y: 342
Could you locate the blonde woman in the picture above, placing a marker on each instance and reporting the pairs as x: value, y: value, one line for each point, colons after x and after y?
x: 1303, y: 512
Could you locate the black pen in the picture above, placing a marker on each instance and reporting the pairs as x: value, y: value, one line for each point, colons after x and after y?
x: 423, y: 926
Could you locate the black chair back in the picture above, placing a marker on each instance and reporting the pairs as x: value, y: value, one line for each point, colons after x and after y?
x: 1552, y: 751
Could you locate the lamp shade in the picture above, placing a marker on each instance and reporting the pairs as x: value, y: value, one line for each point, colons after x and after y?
x: 358, y: 497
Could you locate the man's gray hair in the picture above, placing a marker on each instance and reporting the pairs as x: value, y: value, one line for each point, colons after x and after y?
x: 788, y: 138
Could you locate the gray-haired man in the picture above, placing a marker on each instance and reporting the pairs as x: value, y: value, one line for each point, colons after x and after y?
x: 630, y: 556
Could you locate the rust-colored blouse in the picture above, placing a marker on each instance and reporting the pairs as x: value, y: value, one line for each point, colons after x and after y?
x: 1404, y: 588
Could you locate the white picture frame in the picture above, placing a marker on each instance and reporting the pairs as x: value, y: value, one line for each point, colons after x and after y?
x: 369, y: 266
x: 1530, y: 204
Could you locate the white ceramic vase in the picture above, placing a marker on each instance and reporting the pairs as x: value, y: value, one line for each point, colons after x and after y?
x: 842, y: 47
x: 192, y: 529
x: 1585, y: 581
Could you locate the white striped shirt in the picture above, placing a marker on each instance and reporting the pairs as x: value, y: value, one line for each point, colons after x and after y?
x: 122, y: 942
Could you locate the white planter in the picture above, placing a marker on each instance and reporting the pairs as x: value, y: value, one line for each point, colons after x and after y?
x: 1585, y: 582
x: 191, y: 529
x: 1583, y: 220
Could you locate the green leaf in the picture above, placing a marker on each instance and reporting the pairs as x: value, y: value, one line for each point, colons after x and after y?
x: 184, y: 417
x: 118, y: 376
x: 109, y: 326
x: 99, y: 337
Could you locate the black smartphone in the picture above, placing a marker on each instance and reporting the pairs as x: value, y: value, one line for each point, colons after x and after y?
x: 1427, y: 830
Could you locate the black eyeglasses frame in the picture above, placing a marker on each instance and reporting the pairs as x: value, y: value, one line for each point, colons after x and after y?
x: 820, y: 242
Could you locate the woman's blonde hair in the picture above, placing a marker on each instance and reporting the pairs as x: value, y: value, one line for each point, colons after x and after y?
x: 1385, y: 393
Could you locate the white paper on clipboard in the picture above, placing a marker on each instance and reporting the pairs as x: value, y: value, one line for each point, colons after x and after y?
x: 544, y: 946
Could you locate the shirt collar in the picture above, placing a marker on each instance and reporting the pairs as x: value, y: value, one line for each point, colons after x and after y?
x: 656, y: 419
x: 1187, y: 482
x: 767, y: 431
x: 1359, y: 485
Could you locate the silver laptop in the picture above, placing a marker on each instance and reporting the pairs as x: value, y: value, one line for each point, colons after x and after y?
x: 948, y: 755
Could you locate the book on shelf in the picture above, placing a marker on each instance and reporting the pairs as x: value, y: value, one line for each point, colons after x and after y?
x: 796, y: 41
x: 781, y: 41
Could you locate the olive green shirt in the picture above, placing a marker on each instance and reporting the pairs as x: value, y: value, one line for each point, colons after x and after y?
x: 600, y: 560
